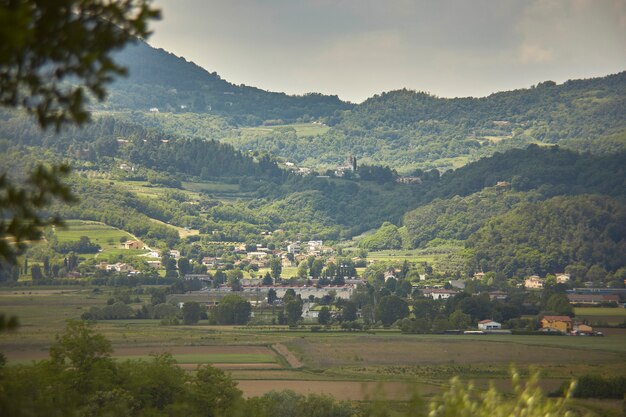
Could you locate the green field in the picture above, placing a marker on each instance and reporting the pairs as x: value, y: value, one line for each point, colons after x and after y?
x: 302, y: 129
x: 400, y: 255
x: 107, y: 237
x: 601, y: 315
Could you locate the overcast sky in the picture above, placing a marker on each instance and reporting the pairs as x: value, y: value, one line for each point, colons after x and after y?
x: 358, y: 48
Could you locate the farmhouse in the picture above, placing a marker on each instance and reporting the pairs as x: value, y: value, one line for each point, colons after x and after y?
x: 534, y: 282
x: 562, y: 278
x: 489, y: 325
x: 560, y: 323
x: 133, y: 244
x: 439, y: 294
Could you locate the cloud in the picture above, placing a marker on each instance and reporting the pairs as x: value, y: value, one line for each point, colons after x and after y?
x: 531, y: 54
x: 357, y: 48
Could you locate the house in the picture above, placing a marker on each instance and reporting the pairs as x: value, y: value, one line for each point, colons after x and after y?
x: 409, y: 180
x: 133, y: 244
x: 457, y: 283
x: 209, y: 262
x: 498, y: 295
x: 560, y: 323
x: 175, y: 254
x: 562, y: 278
x: 293, y: 248
x: 154, y: 264
x: 534, y: 282
x: 478, y: 276
x: 120, y: 267
x: 489, y: 325
x: 439, y: 294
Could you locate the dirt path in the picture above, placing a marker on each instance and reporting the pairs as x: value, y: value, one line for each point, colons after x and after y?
x: 291, y: 359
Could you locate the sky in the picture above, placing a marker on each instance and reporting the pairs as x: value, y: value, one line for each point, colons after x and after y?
x: 358, y: 48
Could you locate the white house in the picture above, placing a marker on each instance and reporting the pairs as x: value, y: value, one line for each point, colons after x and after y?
x: 489, y: 325
x: 439, y: 294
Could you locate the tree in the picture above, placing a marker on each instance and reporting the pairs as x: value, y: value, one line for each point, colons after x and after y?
x: 214, y: 391
x: 293, y: 311
x: 233, y: 309
x: 559, y: 304
x: 36, y: 273
x: 271, y: 296
x: 391, y: 308
x: 52, y: 53
x: 191, y: 312
x: 303, y: 269
x: 276, y: 267
x: 20, y: 206
x: 267, y: 279
x: 527, y: 400
x: 348, y: 312
x: 324, y: 317
x: 184, y: 266
x: 459, y: 320
x: 83, y: 352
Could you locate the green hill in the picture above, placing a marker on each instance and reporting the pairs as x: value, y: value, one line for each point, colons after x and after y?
x: 406, y: 129
x: 160, y: 80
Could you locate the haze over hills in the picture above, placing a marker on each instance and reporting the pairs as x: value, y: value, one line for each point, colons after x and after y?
x: 402, y: 129
x: 159, y: 79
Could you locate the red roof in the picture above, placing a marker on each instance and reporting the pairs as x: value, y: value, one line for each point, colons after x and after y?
x: 485, y: 321
x: 557, y: 318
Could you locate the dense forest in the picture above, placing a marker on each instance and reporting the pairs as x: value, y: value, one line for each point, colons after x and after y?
x: 409, y: 129
x: 576, y: 233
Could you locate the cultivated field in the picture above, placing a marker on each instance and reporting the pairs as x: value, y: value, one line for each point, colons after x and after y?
x: 345, y: 364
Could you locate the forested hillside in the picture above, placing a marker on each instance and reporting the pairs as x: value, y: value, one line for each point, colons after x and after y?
x: 576, y: 233
x: 160, y: 80
x: 407, y: 129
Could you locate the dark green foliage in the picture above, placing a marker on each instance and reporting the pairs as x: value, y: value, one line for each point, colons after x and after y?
x: 457, y: 218
x: 53, y: 54
x: 324, y: 316
x: 116, y: 311
x: 181, y: 83
x: 293, y: 311
x: 408, y: 129
x: 233, y: 309
x: 20, y: 207
x: 191, y: 312
x: 83, y: 245
x: 548, y: 236
x: 386, y: 237
x: 390, y: 309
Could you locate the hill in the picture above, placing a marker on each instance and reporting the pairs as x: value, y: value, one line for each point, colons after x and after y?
x: 160, y: 80
x: 408, y: 129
